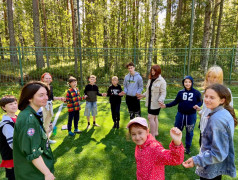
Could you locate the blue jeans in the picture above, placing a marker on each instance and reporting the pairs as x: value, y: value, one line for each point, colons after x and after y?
x: 73, y: 115
x: 189, y: 121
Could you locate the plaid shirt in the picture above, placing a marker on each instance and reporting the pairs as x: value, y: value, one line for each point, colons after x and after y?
x: 73, y: 100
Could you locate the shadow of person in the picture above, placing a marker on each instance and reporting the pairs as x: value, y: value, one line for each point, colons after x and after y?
x: 70, y: 142
x: 64, y: 147
x: 120, y: 151
x: 84, y: 139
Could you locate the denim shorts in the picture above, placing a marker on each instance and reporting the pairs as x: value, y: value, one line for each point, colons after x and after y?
x: 90, y: 107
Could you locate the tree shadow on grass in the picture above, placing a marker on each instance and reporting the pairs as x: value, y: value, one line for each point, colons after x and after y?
x: 70, y: 142
x: 120, y: 152
x: 84, y: 139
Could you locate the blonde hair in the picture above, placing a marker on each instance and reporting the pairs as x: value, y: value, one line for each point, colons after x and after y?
x: 92, y: 76
x: 71, y: 79
x: 214, y: 72
x: 114, y: 77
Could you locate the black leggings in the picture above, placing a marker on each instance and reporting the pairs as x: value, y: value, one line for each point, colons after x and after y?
x: 215, y: 178
x: 115, y: 109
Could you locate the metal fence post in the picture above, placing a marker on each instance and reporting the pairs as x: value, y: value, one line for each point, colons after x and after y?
x: 233, y: 52
x: 19, y: 54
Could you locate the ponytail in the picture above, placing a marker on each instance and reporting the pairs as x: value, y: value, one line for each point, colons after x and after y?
x: 224, y: 93
x: 232, y: 112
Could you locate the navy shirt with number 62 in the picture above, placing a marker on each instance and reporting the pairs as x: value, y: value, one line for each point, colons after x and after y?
x: 186, y: 99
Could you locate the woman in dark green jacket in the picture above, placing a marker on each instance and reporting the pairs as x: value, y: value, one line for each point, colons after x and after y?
x: 32, y: 155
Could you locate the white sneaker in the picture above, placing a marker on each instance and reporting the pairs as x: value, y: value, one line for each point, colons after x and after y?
x: 52, y: 141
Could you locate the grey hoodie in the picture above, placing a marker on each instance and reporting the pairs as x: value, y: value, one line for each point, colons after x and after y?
x: 133, y: 84
x: 7, y: 130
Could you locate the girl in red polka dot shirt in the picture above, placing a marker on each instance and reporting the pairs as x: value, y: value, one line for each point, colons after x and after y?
x: 150, y: 155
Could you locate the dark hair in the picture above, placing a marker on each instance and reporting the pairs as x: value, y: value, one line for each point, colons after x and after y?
x: 28, y: 91
x: 130, y: 64
x: 157, y: 70
x: 72, y: 79
x: 6, y: 100
x: 136, y: 125
x: 224, y: 93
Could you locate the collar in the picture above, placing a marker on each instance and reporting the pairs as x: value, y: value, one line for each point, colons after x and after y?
x: 29, y: 108
x: 157, y: 79
x: 218, y: 108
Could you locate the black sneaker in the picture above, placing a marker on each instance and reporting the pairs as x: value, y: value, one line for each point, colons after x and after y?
x: 115, y: 125
x: 187, y: 151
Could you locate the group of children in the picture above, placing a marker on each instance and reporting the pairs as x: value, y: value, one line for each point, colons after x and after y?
x: 217, y: 124
x: 91, y: 92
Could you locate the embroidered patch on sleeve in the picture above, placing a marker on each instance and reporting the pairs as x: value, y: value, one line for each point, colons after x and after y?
x: 31, y: 131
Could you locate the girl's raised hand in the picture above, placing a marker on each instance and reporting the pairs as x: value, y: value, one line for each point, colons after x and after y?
x: 176, y: 135
x: 189, y: 163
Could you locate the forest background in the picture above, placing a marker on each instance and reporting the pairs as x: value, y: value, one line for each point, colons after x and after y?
x: 72, y: 37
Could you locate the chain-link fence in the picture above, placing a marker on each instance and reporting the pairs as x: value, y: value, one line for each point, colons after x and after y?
x: 108, y: 62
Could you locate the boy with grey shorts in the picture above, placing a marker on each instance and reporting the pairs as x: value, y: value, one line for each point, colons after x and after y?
x: 91, y: 92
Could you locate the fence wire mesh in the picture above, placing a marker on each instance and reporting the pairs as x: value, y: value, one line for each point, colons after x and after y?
x: 22, y: 64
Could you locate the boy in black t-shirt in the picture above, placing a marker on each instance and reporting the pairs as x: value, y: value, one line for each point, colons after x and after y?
x: 115, y: 100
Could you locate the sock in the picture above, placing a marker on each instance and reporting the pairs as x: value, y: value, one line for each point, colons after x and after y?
x: 94, y: 122
x: 88, y: 123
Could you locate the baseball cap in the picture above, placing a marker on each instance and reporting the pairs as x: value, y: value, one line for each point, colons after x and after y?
x: 140, y: 120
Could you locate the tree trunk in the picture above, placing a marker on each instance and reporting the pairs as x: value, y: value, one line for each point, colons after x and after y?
x: 74, y: 39
x: 1, y: 49
x: 105, y: 37
x: 218, y: 30
x: 13, y: 49
x: 45, y: 34
x: 155, y: 40
x: 37, y: 36
x: 236, y: 58
x: 206, y: 36
x: 214, y: 19
x: 179, y: 12
x: 5, y: 21
x: 68, y: 30
x: 213, y: 33
x: 20, y: 36
x: 168, y: 14
x: 154, y: 12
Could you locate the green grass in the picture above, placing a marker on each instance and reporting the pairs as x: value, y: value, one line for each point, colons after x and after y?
x: 104, y: 153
